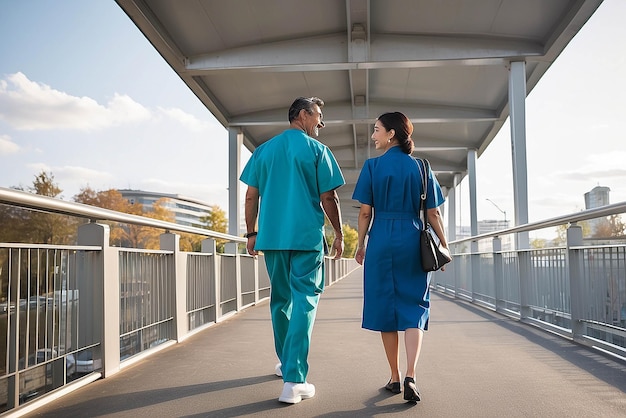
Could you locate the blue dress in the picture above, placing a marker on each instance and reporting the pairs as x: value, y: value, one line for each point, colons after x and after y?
x: 396, y: 288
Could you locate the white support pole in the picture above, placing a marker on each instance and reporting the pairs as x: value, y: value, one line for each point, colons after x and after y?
x: 517, y: 100
x: 452, y: 196
x: 475, y: 258
x: 235, y: 141
x: 471, y: 168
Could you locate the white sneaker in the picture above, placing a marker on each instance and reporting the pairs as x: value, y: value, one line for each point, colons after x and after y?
x: 295, y: 392
x: 279, y: 370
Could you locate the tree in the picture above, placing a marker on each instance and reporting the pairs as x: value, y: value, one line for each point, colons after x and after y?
x: 150, y: 237
x: 537, y: 243
x: 44, y: 185
x: 111, y: 199
x: 611, y: 226
x: 215, y: 221
x: 350, y: 241
x: 25, y: 225
x: 350, y: 238
x: 128, y: 235
x: 561, y: 232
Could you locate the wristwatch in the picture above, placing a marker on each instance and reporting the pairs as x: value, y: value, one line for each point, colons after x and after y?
x: 250, y: 234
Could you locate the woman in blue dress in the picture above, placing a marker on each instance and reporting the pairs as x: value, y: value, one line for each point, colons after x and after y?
x: 396, y: 295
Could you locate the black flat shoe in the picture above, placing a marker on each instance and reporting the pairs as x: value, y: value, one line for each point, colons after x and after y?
x: 411, y: 393
x: 393, y: 387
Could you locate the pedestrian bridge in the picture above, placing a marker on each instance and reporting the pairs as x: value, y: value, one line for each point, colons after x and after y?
x: 95, y: 330
x: 474, y: 363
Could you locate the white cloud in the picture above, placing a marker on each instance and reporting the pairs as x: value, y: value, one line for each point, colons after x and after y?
x: 39, y: 167
x: 598, y: 168
x: 7, y: 146
x: 73, y: 178
x: 28, y: 105
x: 185, y: 119
x: 82, y: 174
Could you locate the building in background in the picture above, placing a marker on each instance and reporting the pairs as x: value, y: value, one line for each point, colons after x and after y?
x: 187, y: 211
x: 595, y: 198
x: 491, y: 225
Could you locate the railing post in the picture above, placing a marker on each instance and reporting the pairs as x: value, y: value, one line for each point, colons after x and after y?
x: 255, y: 271
x: 475, y: 269
x: 524, y: 267
x: 238, y: 281
x: 106, y: 296
x: 232, y: 248
x: 498, y: 276
x: 171, y: 242
x: 209, y: 246
x: 457, y: 276
x: 574, y: 262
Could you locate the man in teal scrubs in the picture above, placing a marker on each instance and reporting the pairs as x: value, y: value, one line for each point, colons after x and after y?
x: 292, y: 181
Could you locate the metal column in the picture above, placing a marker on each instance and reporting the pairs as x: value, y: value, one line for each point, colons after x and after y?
x: 517, y: 100
x: 235, y: 140
x: 452, y: 196
x: 475, y: 257
x: 471, y: 168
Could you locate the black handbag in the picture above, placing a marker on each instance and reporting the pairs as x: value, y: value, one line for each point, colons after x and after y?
x: 432, y: 254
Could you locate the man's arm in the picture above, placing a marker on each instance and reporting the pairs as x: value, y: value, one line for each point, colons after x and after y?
x: 330, y: 204
x: 252, y: 212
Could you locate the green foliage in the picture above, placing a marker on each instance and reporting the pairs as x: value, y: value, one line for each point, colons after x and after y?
x: 30, y: 226
x: 350, y: 238
x: 538, y: 243
x: 215, y: 221
x: 350, y: 241
x: 561, y: 232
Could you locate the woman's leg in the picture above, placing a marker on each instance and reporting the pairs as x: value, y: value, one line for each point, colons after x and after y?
x: 413, y: 344
x: 390, y: 342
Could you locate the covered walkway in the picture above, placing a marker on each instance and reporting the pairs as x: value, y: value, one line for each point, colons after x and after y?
x: 474, y: 363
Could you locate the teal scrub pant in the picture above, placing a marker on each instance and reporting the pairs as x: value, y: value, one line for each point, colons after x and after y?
x: 297, y: 280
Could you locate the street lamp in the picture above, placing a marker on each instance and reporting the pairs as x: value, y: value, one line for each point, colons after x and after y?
x: 498, y: 207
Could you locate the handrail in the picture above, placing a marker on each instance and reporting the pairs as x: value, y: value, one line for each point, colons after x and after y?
x: 54, y: 205
x: 606, y: 210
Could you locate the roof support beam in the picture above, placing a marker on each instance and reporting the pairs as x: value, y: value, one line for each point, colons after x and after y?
x: 343, y: 114
x: 327, y: 53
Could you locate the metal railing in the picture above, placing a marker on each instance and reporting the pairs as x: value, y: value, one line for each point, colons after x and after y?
x: 577, y: 291
x: 72, y: 314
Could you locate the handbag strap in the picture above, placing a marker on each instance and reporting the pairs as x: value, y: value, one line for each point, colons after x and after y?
x: 424, y: 177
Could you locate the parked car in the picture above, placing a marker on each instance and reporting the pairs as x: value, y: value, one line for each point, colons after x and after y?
x: 48, y: 354
x: 85, y: 362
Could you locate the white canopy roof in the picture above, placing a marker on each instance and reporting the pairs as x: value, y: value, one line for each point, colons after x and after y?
x: 444, y: 63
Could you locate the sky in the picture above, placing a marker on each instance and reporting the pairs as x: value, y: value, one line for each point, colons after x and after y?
x: 84, y: 96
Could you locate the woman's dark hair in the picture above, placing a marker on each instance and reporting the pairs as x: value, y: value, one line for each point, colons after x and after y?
x: 305, y: 103
x: 403, y: 128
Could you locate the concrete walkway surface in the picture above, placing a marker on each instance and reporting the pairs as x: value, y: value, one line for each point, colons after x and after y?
x: 474, y: 363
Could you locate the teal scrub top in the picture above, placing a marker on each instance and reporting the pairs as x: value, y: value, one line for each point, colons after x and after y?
x: 291, y: 171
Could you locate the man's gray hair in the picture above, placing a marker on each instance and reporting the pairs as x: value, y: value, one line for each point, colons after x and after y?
x: 305, y: 103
